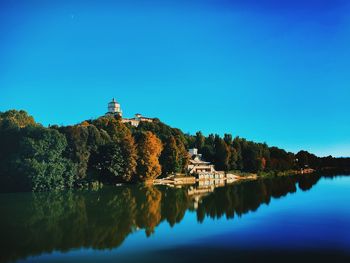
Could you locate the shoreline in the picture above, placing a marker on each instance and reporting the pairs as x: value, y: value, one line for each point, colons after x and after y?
x: 191, y: 180
x: 229, y: 178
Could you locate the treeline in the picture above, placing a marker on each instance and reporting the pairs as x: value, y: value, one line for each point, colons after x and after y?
x: 230, y: 153
x: 105, y: 150
x: 306, y: 159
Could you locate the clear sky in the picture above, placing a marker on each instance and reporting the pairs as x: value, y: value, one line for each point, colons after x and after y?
x: 268, y: 70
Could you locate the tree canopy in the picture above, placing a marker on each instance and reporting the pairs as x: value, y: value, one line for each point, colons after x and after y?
x: 106, y: 150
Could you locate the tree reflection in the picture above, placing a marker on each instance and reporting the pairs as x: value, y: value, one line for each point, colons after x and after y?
x: 244, y: 197
x: 32, y: 224
x: 174, y: 205
x: 148, y: 212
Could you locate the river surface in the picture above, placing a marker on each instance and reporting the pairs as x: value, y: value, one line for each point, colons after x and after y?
x: 285, y: 219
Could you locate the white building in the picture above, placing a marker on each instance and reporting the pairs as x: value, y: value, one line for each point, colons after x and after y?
x: 193, y: 151
x: 137, y: 119
x: 198, y: 166
x: 115, y: 109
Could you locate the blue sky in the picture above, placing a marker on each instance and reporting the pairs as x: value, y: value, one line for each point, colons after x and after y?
x: 267, y: 70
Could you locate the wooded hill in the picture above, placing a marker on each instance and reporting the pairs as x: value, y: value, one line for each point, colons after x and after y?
x: 105, y: 150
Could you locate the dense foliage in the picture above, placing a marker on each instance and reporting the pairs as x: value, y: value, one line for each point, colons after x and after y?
x: 230, y: 153
x: 106, y: 150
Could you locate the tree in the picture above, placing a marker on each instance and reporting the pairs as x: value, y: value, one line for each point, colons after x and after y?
x: 199, y: 140
x: 174, y: 157
x: 20, y: 118
x: 228, y: 139
x: 41, y: 166
x: 208, y: 153
x: 190, y: 141
x: 307, y: 159
x: 251, y: 157
x: 236, y: 144
x: 82, y: 141
x: 183, y: 156
x: 129, y: 154
x: 232, y: 163
x: 169, y: 158
x: 222, y: 154
x: 109, y: 162
x: 121, y: 135
x: 77, y: 150
x: 281, y: 160
x: 149, y: 148
x: 11, y: 123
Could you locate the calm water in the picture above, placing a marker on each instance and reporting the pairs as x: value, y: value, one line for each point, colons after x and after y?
x: 289, y: 219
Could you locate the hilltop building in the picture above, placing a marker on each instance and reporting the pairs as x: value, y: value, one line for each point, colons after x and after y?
x: 115, y: 109
x: 137, y: 119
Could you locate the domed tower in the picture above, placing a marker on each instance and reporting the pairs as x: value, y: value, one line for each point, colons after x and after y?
x: 114, y: 108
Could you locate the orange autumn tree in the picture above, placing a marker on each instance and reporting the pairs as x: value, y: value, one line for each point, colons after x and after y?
x: 149, y: 148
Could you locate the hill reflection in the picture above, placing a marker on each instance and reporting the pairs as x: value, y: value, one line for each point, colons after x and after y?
x: 32, y: 224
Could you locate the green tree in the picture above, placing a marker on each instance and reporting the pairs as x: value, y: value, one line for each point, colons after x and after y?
x: 121, y: 135
x: 251, y: 157
x: 222, y: 154
x: 228, y: 139
x: 199, y: 140
x: 236, y: 144
x: 11, y: 123
x: 233, y: 159
x: 281, y: 160
x: 109, y: 163
x: 183, y: 156
x: 82, y: 141
x: 174, y: 157
x: 169, y: 158
x: 40, y: 162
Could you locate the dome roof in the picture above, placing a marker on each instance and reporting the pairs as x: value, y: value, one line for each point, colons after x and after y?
x: 113, y: 102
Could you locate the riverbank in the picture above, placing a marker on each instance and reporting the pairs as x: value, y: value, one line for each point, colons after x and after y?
x: 286, y: 173
x: 226, y: 178
x: 191, y: 180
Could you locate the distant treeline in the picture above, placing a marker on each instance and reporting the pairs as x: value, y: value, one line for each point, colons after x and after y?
x: 105, y: 150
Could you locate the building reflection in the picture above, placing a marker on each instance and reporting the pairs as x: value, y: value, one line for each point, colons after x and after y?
x: 32, y: 224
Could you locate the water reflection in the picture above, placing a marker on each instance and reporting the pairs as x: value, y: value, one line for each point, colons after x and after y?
x: 32, y: 224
